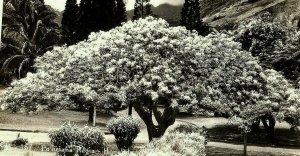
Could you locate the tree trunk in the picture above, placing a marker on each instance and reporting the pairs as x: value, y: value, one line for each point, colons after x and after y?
x: 164, y: 120
x: 255, y: 125
x: 130, y: 109
x: 80, y: 107
x: 149, y: 130
x: 245, y: 144
x: 94, y: 116
x: 270, y: 128
x: 91, y: 114
x: 155, y: 131
x: 272, y: 123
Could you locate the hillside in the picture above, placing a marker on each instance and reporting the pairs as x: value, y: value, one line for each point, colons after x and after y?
x: 171, y: 13
x: 236, y: 11
x: 219, y: 13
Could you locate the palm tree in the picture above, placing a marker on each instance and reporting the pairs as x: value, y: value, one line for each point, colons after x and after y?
x: 1, y: 11
x: 29, y: 30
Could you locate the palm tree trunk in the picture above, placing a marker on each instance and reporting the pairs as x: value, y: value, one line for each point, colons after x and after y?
x: 36, y: 31
x: 91, y: 114
x: 1, y: 13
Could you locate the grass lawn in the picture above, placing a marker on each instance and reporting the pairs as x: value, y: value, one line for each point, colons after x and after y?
x: 231, y: 134
x: 218, y: 130
x: 44, y: 121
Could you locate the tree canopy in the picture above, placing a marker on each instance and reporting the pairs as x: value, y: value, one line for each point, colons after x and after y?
x: 149, y: 64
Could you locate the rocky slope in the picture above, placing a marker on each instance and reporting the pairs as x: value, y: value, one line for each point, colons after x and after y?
x: 238, y: 10
x: 219, y: 13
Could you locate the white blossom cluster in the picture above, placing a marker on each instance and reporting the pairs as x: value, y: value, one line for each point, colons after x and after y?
x: 175, y: 144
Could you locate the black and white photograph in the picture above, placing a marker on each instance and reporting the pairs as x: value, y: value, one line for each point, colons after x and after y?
x: 149, y: 77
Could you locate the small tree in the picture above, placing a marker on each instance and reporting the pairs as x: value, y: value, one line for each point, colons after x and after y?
x: 125, y: 130
x: 142, y: 9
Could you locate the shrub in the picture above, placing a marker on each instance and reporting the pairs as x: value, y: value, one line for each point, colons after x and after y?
x: 71, y: 139
x: 2, y: 146
x: 175, y: 144
x: 264, y: 37
x: 189, y: 128
x: 19, y: 141
x: 125, y: 130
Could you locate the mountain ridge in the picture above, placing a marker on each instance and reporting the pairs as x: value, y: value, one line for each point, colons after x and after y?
x: 221, y: 13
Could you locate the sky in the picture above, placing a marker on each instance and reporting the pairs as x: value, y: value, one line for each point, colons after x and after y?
x: 60, y: 4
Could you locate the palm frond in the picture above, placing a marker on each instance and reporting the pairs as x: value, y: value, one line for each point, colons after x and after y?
x: 10, y: 63
x: 25, y: 62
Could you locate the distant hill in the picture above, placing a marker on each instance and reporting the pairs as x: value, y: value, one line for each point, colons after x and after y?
x: 171, y: 13
x: 234, y: 11
x: 59, y: 16
x: 219, y: 13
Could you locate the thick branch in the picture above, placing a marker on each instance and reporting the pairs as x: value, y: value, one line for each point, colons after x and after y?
x: 157, y: 114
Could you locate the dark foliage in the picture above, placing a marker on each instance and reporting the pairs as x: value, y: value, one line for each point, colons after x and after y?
x: 69, y: 20
x: 29, y: 30
x: 95, y: 15
x: 142, y: 9
x: 190, y: 17
x: 19, y: 141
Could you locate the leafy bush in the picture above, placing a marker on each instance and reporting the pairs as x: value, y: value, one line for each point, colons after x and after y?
x: 70, y: 138
x: 2, y: 146
x: 189, y: 128
x: 264, y: 37
x: 173, y: 143
x: 125, y: 130
x: 19, y: 141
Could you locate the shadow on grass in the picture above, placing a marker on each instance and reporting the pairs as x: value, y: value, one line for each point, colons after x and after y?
x: 83, y: 123
x: 216, y: 151
x: 231, y: 134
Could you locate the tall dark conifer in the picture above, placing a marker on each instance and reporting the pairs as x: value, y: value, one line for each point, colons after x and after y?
x: 190, y: 17
x: 70, y: 18
x: 95, y: 15
x: 84, y: 19
x: 142, y: 9
x: 120, y: 12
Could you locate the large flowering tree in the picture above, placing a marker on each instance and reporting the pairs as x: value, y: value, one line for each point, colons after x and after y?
x: 155, y: 68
